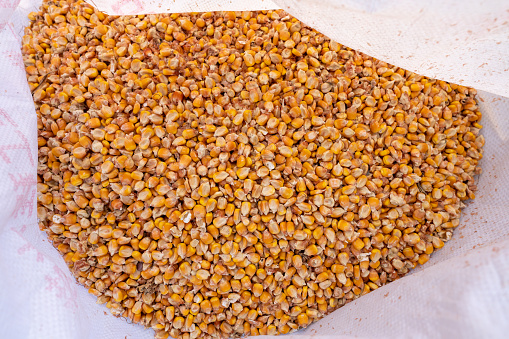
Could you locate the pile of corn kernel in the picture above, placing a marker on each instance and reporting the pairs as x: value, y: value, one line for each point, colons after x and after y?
x: 237, y: 173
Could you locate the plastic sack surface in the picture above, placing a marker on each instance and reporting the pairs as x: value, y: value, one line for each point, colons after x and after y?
x: 463, y: 291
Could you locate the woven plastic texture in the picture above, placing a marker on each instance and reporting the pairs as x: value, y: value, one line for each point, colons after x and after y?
x: 462, y: 292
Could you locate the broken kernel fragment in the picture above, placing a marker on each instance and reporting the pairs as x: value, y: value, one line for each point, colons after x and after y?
x: 237, y: 173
